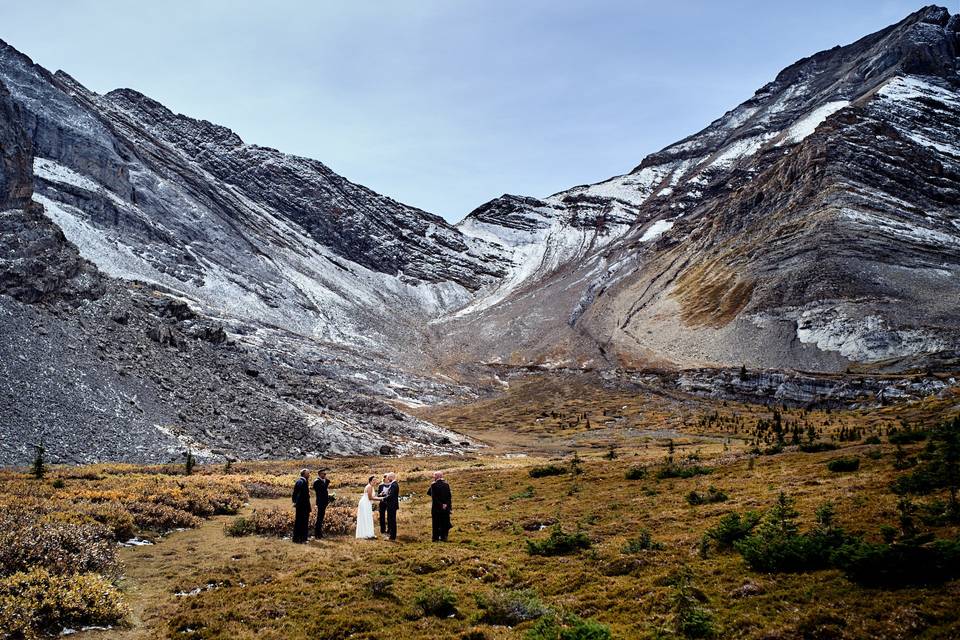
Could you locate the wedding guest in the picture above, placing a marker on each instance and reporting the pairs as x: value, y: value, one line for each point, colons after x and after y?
x: 301, y: 501
x: 321, y: 487
x: 441, y: 507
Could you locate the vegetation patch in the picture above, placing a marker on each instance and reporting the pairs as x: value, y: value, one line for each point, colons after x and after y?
x: 510, y: 607
x: 636, y: 473
x: 710, y: 496
x: 278, y: 522
x: 438, y: 602
x: 568, y: 627
x: 682, y: 471
x: 841, y: 465
x: 37, y: 603
x: 547, y: 470
x: 559, y: 543
x: 818, y: 447
x: 642, y: 542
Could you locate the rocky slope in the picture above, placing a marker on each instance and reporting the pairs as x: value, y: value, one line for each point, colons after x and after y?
x: 147, y: 308
x: 814, y: 226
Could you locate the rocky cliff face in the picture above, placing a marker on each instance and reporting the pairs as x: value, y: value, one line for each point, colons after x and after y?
x: 813, y: 226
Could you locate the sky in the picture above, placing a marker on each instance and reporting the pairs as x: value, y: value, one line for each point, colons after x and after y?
x: 445, y: 104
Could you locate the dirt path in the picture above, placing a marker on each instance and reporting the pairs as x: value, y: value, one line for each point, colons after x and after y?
x: 195, y: 558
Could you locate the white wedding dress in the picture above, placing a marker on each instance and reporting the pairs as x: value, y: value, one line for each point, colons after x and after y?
x: 365, y: 517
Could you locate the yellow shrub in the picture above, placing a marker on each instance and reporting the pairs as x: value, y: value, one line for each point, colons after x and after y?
x: 37, y: 603
x: 278, y: 521
x: 28, y: 541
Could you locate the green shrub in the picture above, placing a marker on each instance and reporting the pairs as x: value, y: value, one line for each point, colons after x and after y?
x: 713, y: 495
x: 569, y: 627
x: 913, y: 562
x: 547, y: 470
x: 818, y: 447
x: 679, y: 471
x: 439, y: 602
x: 777, y: 545
x: 872, y: 440
x: 906, y: 436
x: 731, y: 528
x: 558, y: 543
x: 643, y: 542
x: 839, y: 465
x: 510, y: 608
x: 636, y: 473
x: 37, y: 603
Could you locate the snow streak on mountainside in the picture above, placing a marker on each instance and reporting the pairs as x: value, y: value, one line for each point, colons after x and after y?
x: 814, y: 225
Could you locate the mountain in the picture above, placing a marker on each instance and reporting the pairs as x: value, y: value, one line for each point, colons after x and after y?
x: 165, y: 286
x: 815, y: 226
x: 190, y: 291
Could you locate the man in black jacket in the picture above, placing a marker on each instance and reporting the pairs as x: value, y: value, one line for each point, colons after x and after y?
x: 321, y: 487
x: 392, y: 501
x: 382, y: 506
x: 441, y: 507
x: 301, y: 501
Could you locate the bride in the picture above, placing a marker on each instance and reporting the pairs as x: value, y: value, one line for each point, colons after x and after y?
x: 365, y: 512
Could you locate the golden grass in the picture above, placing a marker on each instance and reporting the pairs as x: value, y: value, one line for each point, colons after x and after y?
x: 201, y: 583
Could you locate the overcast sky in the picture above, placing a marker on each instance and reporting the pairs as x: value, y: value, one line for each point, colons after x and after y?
x: 445, y: 104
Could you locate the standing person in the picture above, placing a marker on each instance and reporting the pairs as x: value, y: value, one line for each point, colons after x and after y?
x: 382, y: 506
x: 321, y: 487
x: 441, y: 507
x: 392, y: 501
x: 365, y: 512
x: 301, y: 501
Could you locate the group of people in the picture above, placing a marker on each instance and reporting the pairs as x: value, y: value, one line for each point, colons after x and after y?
x: 387, y: 497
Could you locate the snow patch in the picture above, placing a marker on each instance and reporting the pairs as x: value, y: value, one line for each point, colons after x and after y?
x: 656, y: 230
x: 809, y: 123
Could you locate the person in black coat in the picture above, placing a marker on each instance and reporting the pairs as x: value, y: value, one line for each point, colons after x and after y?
x: 381, y: 506
x: 301, y: 501
x: 441, y: 507
x: 321, y: 486
x: 392, y: 501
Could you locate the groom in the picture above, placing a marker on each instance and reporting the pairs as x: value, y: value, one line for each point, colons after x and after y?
x: 391, y: 503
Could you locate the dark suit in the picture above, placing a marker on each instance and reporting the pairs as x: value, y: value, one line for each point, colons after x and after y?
x: 301, y: 500
x: 381, y: 506
x: 392, y: 503
x: 440, y: 509
x: 321, y: 488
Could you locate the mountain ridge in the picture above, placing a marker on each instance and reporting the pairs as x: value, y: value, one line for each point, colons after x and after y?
x: 272, y: 301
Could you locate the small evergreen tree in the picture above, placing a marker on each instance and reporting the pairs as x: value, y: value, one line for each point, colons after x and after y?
x: 189, y: 463
x: 39, y: 468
